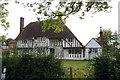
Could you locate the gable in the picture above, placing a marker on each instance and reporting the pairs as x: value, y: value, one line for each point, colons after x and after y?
x: 92, y: 44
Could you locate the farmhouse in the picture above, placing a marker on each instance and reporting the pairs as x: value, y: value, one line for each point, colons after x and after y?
x: 65, y: 45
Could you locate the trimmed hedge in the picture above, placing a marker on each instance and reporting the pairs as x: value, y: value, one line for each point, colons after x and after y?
x: 29, y: 67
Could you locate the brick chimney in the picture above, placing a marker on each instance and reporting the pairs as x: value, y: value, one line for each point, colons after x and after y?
x: 21, y: 24
x: 101, y: 37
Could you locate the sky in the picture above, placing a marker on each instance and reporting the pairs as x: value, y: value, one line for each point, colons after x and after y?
x: 84, y: 30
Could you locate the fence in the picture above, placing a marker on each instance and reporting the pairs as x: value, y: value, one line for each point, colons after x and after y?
x: 75, y: 73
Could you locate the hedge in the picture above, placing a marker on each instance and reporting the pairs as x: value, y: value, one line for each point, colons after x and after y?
x: 29, y: 67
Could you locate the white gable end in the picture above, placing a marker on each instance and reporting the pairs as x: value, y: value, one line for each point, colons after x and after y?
x: 93, y: 44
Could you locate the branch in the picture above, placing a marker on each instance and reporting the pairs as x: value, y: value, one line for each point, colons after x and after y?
x: 89, y: 7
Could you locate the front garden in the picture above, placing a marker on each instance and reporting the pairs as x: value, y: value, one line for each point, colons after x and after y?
x: 29, y: 67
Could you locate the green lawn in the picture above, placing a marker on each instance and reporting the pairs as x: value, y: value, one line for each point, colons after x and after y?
x: 79, y: 68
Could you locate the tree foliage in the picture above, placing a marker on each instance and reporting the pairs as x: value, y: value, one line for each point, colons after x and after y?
x: 109, y: 40
x: 3, y: 14
x: 4, y: 40
x: 62, y: 9
x: 8, y: 40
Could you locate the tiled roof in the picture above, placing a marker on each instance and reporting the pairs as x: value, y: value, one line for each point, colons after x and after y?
x: 34, y: 29
x: 13, y: 41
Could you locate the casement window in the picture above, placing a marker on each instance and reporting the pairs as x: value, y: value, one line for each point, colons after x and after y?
x: 74, y: 51
x: 79, y: 51
x: 69, y: 39
x: 70, y: 52
x: 24, y: 41
x: 42, y: 39
x: 90, y: 50
x: 93, y: 50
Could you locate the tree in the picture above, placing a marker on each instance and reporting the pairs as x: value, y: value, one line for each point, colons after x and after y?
x: 3, y: 38
x: 8, y: 40
x: 109, y: 40
x: 3, y: 14
x: 60, y: 10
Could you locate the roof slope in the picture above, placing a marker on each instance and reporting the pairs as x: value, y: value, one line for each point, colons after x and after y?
x: 92, y: 44
x: 34, y: 29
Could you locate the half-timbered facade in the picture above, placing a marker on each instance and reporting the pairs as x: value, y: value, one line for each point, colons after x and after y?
x: 64, y: 45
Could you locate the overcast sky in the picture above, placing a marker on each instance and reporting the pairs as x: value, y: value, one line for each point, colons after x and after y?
x: 84, y: 30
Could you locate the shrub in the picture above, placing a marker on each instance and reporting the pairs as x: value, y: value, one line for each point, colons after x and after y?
x: 29, y: 67
x: 105, y: 67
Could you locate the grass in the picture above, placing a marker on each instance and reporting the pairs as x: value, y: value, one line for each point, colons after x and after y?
x: 74, y: 63
x: 79, y: 68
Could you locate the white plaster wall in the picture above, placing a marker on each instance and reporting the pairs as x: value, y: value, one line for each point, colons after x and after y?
x: 58, y: 51
x: 66, y: 55
x: 86, y: 54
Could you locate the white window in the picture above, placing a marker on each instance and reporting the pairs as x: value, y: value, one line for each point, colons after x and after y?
x: 91, y: 50
x: 42, y: 39
x: 24, y: 41
x: 70, y: 40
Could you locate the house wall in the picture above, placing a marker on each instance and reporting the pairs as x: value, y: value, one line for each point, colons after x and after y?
x: 73, y: 54
x: 71, y: 42
x: 59, y: 52
x: 59, y: 45
x: 91, y: 55
x: 39, y: 42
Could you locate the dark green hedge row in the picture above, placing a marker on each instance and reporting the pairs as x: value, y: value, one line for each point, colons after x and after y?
x: 28, y: 67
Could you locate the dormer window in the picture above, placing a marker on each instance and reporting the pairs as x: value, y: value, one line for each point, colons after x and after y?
x: 35, y: 37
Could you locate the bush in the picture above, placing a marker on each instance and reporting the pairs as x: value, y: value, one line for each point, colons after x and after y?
x: 28, y: 67
x: 105, y: 67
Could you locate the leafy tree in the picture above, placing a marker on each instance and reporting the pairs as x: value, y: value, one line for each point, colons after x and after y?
x: 3, y: 38
x: 109, y: 40
x: 8, y: 40
x: 3, y: 14
x: 60, y: 10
